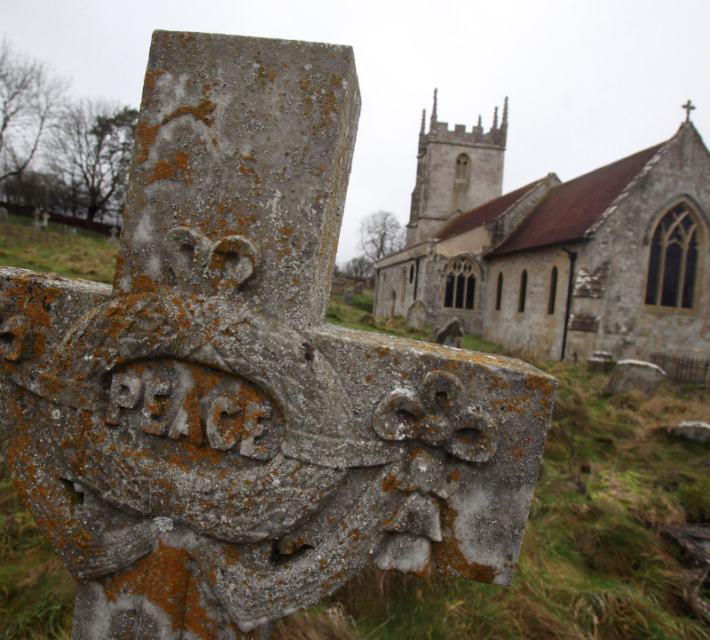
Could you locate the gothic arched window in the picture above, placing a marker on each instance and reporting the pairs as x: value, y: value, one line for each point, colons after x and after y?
x: 499, y: 292
x: 460, y: 292
x: 553, y: 292
x: 463, y: 168
x: 523, y: 291
x: 673, y: 262
x: 411, y: 274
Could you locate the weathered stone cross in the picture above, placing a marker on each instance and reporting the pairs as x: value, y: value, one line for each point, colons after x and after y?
x: 203, y: 452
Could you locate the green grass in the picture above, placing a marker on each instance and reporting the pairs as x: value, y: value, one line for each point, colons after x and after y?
x: 80, y: 256
x: 593, y: 564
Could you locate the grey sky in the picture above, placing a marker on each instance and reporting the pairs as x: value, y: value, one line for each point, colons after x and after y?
x: 589, y: 82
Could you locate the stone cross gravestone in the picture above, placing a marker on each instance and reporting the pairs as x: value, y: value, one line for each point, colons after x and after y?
x: 202, y: 451
x: 113, y: 238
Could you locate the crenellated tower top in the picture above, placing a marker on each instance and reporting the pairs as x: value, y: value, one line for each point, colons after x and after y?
x: 439, y: 131
x: 456, y: 171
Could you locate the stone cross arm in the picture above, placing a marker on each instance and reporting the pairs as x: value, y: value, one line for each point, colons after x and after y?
x: 203, y: 452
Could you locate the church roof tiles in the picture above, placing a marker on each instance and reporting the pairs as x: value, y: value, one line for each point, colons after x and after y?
x: 570, y: 209
x: 485, y: 213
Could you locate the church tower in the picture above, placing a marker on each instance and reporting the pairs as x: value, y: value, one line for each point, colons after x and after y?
x: 456, y: 171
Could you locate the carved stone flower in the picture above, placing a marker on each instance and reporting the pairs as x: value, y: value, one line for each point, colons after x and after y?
x: 437, y: 415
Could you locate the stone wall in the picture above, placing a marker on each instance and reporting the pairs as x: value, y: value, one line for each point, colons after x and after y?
x: 533, y: 331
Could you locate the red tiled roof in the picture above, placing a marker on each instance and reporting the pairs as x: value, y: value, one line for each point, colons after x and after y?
x: 485, y: 213
x: 571, y: 208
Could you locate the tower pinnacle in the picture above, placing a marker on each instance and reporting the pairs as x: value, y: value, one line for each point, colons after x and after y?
x: 422, y: 131
x: 432, y: 123
x: 505, y: 113
x: 495, y: 119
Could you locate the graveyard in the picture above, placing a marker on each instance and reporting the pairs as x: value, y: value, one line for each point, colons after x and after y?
x: 594, y: 561
x: 215, y: 447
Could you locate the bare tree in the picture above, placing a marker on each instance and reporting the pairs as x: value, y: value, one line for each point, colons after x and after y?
x: 29, y: 99
x: 360, y: 267
x: 380, y: 234
x: 91, y: 154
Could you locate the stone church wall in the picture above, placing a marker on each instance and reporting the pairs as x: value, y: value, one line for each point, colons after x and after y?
x: 534, y: 330
x: 433, y: 296
x: 628, y: 327
x: 608, y: 310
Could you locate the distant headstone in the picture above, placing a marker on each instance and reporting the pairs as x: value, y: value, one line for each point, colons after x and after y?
x: 4, y: 216
x: 72, y: 231
x: 37, y: 224
x: 635, y: 375
x: 451, y: 334
x: 694, y: 431
x: 599, y: 361
x: 113, y: 238
x: 358, y: 287
x: 203, y: 452
x: 337, y: 288
x: 45, y: 219
x: 348, y: 296
x: 416, y: 315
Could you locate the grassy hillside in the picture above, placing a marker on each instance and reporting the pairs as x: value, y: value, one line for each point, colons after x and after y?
x: 593, y: 565
x: 80, y: 256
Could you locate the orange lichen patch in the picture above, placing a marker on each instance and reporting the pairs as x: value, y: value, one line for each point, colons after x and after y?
x: 250, y: 171
x: 146, y: 136
x: 144, y: 283
x: 149, y: 86
x: 547, y: 387
x: 427, y: 572
x: 167, y: 170
x: 390, y: 483
x: 161, y: 171
x: 32, y: 304
x: 511, y: 404
x: 517, y: 451
x: 201, y: 112
x: 120, y: 265
x: 450, y: 559
x: 51, y: 384
x: 453, y: 476
x: 166, y: 578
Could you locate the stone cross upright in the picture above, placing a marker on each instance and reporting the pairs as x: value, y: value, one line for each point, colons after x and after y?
x: 688, y: 106
x: 202, y: 451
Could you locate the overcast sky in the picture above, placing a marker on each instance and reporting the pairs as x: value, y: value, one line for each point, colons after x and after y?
x: 589, y: 82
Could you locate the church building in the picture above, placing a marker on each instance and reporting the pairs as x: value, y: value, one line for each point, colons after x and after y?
x: 615, y: 260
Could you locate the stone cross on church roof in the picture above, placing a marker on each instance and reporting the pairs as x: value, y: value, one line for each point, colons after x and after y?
x: 688, y: 106
x: 201, y: 450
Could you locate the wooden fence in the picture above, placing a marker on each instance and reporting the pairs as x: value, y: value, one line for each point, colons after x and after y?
x: 683, y: 368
